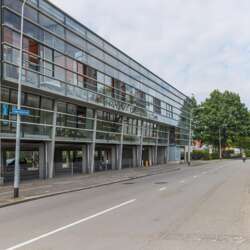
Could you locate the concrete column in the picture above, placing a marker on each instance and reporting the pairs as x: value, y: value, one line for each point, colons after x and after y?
x: 168, y: 147
x: 52, y: 145
x: 1, y: 163
x: 113, y: 157
x: 92, y: 148
x: 165, y: 154
x: 84, y: 159
x: 42, y: 161
x: 141, y: 147
x: 50, y: 152
x: 120, y: 147
x: 150, y: 155
x: 156, y: 149
x: 134, y: 156
x: 139, y: 156
x: 92, y: 158
x: 88, y: 158
x: 185, y: 154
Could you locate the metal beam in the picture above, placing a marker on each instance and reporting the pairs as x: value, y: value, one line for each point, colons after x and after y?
x: 141, y: 145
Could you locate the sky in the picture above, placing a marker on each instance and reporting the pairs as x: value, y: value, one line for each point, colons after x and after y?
x: 195, y: 45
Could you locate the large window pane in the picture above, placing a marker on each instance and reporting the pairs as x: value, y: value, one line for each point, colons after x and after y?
x: 10, y: 54
x: 51, y: 10
x: 75, y: 26
x: 60, y: 59
x: 31, y: 13
x: 32, y: 59
x: 13, y: 4
x: 77, y: 40
x: 51, y: 25
x: 72, y: 51
x: 92, y: 73
x: 11, y: 37
x: 157, y: 106
x: 11, y: 19
x: 32, y: 30
x: 59, y: 73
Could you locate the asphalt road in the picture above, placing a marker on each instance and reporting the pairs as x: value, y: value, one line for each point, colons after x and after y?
x: 199, y: 208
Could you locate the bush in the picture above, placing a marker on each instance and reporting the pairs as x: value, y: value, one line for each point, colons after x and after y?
x: 200, y: 155
x: 247, y: 152
x: 215, y: 156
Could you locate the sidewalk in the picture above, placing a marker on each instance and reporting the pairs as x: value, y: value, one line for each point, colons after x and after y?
x: 37, y: 189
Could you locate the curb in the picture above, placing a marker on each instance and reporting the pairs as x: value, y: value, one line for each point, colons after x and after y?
x: 42, y: 196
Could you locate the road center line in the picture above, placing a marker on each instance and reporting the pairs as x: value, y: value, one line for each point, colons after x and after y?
x: 162, y: 189
x: 70, y: 225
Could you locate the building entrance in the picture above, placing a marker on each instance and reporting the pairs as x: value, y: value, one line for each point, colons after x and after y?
x: 103, y: 158
x: 68, y: 161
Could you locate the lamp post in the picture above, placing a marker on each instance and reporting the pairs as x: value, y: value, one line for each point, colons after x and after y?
x: 190, y: 137
x: 18, y: 117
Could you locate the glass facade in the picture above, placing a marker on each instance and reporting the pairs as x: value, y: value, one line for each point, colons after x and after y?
x: 68, y: 66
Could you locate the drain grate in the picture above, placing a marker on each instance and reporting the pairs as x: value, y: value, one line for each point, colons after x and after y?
x: 161, y: 182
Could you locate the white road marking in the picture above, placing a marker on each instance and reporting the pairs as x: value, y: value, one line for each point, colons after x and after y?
x: 70, y: 225
x: 195, y: 176
x: 182, y: 181
x: 162, y: 189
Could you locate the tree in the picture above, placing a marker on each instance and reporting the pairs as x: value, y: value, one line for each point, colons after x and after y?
x: 224, y: 114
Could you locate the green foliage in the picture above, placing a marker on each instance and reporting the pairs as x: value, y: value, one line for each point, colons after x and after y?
x: 214, y: 156
x: 200, y: 155
x: 222, y: 113
x: 247, y: 152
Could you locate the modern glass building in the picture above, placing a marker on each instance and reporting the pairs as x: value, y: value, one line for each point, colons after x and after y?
x: 92, y: 107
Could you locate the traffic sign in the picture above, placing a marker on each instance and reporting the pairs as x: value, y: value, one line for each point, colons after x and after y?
x: 22, y: 112
x: 5, y: 109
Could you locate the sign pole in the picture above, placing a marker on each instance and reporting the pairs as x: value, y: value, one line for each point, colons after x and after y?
x: 18, y: 117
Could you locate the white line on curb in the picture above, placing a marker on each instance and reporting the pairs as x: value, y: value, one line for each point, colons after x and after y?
x: 70, y: 225
x: 162, y: 189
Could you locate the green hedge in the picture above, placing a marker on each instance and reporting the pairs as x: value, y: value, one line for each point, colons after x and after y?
x: 204, y: 155
x: 247, y: 152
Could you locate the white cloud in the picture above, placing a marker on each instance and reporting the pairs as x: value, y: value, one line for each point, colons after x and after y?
x: 196, y: 45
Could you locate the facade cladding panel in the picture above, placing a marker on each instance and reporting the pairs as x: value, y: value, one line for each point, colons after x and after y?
x: 92, y: 107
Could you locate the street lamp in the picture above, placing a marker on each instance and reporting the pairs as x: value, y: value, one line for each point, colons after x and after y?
x: 18, y: 117
x: 190, y: 137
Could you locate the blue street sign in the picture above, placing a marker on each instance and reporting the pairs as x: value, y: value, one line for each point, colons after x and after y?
x: 5, y: 112
x: 5, y: 109
x: 22, y: 112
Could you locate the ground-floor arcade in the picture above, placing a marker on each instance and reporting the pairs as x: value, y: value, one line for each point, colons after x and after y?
x: 40, y: 159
